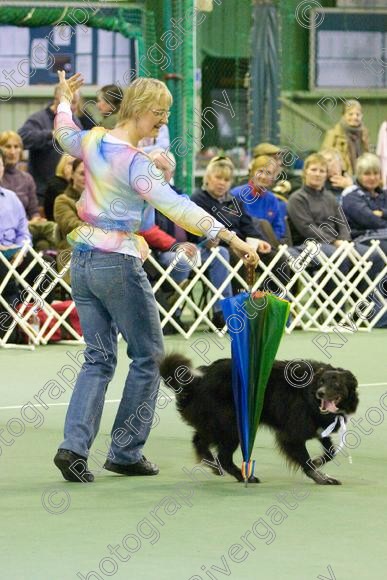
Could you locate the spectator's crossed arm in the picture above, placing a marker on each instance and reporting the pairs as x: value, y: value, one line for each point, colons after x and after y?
x: 356, y: 209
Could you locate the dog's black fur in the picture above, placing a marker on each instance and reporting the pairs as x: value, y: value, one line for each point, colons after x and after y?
x: 204, y: 399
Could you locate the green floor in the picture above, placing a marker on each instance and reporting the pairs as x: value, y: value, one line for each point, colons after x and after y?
x: 174, y: 528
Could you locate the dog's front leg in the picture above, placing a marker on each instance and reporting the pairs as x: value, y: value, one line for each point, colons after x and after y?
x: 329, y: 452
x: 297, y: 453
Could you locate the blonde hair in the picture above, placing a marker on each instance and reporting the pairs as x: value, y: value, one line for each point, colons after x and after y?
x: 5, y: 135
x: 350, y: 104
x: 367, y: 162
x: 142, y: 94
x: 219, y: 164
x: 331, y: 154
x: 316, y: 158
x: 261, y: 162
x: 61, y: 164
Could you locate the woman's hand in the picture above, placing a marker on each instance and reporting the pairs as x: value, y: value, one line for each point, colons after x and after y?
x: 244, y: 252
x: 339, y: 243
x: 264, y: 247
x: 70, y: 86
x: 341, y: 181
x: 37, y: 219
x: 189, y: 249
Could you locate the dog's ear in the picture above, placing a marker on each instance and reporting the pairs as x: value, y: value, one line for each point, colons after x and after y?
x: 352, y: 384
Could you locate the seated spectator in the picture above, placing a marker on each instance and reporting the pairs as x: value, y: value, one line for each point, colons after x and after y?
x: 365, y: 203
x: 315, y: 215
x: 14, y: 234
x: 37, y: 135
x: 349, y: 137
x: 282, y: 186
x: 337, y: 180
x: 65, y: 212
x: 20, y: 182
x: 311, y: 206
x: 214, y: 197
x: 258, y: 201
x: 164, y: 249
x: 58, y: 184
x: 23, y: 185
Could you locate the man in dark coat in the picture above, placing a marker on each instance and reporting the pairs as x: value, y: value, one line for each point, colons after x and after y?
x: 37, y: 134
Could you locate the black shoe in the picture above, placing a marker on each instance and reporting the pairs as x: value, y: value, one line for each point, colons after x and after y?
x: 142, y: 467
x: 73, y: 466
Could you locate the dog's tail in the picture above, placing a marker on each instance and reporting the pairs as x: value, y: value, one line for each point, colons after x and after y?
x: 179, y: 375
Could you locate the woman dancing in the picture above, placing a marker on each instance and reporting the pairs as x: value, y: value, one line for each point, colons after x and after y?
x: 110, y: 288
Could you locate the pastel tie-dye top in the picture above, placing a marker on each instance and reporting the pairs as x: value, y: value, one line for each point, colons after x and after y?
x: 120, y: 182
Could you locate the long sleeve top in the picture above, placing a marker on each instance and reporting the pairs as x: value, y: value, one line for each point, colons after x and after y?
x: 120, y: 180
x: 23, y: 185
x: 13, y: 220
x: 316, y: 215
x: 359, y: 205
x: 262, y: 205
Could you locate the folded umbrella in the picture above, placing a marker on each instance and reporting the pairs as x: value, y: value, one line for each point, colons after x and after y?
x: 256, y: 322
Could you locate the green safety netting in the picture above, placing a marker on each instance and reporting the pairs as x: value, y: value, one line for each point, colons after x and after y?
x: 132, y: 22
x: 137, y: 22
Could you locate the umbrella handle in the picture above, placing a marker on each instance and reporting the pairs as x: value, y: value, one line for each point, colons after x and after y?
x: 247, y: 470
x: 250, y: 276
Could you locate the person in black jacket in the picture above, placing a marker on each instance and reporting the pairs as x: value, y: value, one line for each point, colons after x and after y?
x: 37, y: 134
x: 365, y: 203
x: 58, y: 184
x: 214, y: 197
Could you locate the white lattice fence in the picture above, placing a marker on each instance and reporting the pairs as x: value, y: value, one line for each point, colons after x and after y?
x: 22, y: 312
x: 350, y: 297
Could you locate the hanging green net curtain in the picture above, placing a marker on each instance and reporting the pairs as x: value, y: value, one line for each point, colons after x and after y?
x: 137, y: 23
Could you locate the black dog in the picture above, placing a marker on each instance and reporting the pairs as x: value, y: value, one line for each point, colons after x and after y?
x: 204, y: 399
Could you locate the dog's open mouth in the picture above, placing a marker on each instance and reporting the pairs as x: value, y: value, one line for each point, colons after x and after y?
x: 328, y: 406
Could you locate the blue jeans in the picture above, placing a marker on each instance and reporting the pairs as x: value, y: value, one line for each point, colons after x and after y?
x: 182, y: 269
x: 217, y: 273
x: 112, y: 294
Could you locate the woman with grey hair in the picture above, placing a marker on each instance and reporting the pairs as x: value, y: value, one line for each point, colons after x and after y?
x: 365, y: 202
